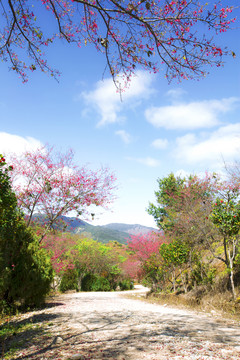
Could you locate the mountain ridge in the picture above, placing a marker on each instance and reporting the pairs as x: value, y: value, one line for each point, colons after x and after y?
x: 119, y: 232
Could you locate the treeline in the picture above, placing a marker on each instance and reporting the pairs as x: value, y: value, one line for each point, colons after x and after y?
x: 200, y: 219
x: 83, y: 264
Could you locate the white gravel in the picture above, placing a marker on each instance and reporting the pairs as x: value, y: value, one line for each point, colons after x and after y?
x: 102, y: 325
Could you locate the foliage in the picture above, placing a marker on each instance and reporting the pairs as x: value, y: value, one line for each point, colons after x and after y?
x: 226, y: 217
x: 97, y: 259
x: 202, y: 274
x: 69, y: 281
x: 82, y: 263
x: 26, y: 272
x: 177, y: 35
x: 92, y: 282
x: 184, y: 205
x: 226, y: 214
x: 61, y: 248
x: 101, y: 284
x: 144, y: 245
x: 126, y: 284
x: 51, y: 185
x: 146, y: 255
x: 169, y: 188
x: 87, y: 282
x: 153, y: 272
x: 174, y: 253
x: 201, y: 218
x: 131, y: 267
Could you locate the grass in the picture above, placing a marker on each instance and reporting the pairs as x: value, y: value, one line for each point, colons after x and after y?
x: 27, y: 329
x: 13, y: 335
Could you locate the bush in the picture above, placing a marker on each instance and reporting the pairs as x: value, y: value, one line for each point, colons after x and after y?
x: 92, y: 282
x: 126, y: 284
x: 27, y: 271
x: 101, y: 284
x: 87, y: 282
x: 202, y: 274
x: 69, y: 281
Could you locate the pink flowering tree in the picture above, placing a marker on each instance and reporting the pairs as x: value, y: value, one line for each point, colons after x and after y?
x: 144, y: 245
x: 61, y: 248
x: 132, y: 268
x: 50, y: 184
x: 145, y: 248
x: 177, y: 35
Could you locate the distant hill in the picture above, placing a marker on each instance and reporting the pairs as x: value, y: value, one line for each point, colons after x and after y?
x: 129, y: 228
x: 110, y: 232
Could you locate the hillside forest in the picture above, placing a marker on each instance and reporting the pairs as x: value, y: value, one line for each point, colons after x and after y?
x: 195, y: 249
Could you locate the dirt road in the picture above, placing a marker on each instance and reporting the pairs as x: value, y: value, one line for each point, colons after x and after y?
x: 111, y: 326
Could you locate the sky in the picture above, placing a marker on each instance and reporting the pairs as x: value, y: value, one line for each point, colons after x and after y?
x: 155, y: 129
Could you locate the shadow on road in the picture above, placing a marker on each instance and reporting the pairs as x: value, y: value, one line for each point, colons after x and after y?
x: 89, y: 324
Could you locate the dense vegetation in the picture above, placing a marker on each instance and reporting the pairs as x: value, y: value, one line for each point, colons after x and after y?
x: 200, y: 218
x: 81, y: 263
x: 26, y: 271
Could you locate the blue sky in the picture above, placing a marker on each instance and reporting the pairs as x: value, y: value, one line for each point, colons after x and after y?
x: 156, y: 129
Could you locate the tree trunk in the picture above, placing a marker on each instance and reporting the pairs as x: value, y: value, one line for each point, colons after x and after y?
x: 231, y: 275
x: 174, y: 280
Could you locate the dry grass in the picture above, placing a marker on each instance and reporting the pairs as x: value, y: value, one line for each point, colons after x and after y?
x: 202, y: 300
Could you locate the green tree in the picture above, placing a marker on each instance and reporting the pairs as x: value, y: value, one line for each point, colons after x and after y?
x: 167, y: 198
x: 226, y: 217
x: 153, y: 272
x: 25, y: 269
x: 174, y: 255
x: 97, y: 259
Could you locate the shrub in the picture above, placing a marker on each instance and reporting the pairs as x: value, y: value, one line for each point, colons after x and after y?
x: 87, y: 282
x: 92, y: 282
x: 69, y: 281
x: 101, y: 284
x: 126, y: 284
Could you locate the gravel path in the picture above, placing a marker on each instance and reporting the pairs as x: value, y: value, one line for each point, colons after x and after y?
x: 111, y: 326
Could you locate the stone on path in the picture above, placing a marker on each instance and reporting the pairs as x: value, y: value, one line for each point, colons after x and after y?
x: 76, y: 357
x: 58, y: 340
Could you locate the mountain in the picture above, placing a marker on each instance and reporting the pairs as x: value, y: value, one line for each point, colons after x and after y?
x: 112, y: 232
x: 129, y: 228
x: 105, y: 233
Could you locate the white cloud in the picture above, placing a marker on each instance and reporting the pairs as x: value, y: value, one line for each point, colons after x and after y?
x: 10, y: 143
x: 194, y: 115
x: 160, y: 143
x: 176, y: 93
x: 106, y: 100
x: 223, y: 143
x: 126, y: 138
x: 148, y: 161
